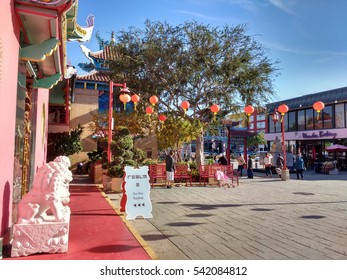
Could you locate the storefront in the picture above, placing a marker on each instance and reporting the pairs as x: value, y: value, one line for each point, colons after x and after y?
x: 309, y: 132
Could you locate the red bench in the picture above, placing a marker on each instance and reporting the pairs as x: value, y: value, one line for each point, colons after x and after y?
x: 209, y: 171
x: 158, y: 172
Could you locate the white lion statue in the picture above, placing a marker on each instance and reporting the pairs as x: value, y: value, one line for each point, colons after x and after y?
x: 50, y: 191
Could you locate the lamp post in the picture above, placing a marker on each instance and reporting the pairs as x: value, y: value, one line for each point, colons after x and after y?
x: 124, y: 90
x: 249, y: 110
x: 285, y: 173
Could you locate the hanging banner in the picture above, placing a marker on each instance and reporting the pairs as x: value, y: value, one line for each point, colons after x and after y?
x: 137, y: 189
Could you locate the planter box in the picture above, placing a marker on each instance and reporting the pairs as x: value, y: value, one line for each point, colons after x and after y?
x: 117, y: 185
x: 96, y: 173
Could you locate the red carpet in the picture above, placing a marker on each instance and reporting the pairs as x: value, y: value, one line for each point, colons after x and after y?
x: 96, y: 231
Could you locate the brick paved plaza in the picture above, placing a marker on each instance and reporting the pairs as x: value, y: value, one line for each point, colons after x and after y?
x: 263, y: 218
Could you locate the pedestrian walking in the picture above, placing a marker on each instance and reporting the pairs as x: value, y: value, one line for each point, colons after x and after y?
x: 268, y: 163
x: 170, y: 169
x: 279, y: 164
x: 240, y: 164
x: 300, y: 167
x: 249, y: 168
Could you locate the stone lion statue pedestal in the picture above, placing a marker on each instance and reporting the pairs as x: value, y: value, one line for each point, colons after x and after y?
x: 43, y: 216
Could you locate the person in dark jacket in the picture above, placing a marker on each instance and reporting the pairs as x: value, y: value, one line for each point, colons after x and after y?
x: 170, y: 169
x: 249, y: 168
x: 299, y: 166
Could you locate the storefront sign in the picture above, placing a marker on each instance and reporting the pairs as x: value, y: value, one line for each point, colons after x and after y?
x: 319, y: 134
x: 137, y: 189
x: 310, y: 134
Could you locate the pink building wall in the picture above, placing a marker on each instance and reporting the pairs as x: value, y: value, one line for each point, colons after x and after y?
x: 9, y: 48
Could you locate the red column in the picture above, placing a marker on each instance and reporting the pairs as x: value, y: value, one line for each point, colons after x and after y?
x: 110, y: 115
x: 228, y: 146
x: 284, y: 147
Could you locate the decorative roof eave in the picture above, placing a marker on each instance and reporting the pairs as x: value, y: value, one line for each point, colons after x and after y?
x: 48, y: 82
x: 57, y: 4
x: 40, y: 52
x: 74, y: 31
x: 42, y: 20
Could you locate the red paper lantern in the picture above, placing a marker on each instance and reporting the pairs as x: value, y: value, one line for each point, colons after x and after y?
x: 185, y: 105
x: 214, y: 109
x: 135, y: 98
x: 283, y: 109
x: 153, y: 99
x: 162, y: 118
x: 318, y: 106
x: 249, y: 110
x: 149, y: 110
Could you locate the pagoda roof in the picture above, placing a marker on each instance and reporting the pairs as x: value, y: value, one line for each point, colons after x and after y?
x: 95, y: 77
x: 106, y: 53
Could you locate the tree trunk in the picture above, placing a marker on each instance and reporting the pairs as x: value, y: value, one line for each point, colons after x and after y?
x: 199, y: 154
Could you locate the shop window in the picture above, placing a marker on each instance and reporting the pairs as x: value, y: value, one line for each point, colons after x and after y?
x: 271, y: 127
x: 327, y: 117
x: 309, y: 119
x: 285, y: 119
x: 340, y: 115
x: 301, y: 120
x: 57, y: 114
x: 291, y: 121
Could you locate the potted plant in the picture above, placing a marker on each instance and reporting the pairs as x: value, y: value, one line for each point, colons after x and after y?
x: 95, y: 167
x: 123, y: 153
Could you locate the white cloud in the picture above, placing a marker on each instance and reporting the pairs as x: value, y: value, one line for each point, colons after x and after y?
x: 285, y: 6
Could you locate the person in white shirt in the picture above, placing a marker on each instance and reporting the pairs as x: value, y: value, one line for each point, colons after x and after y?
x: 268, y: 164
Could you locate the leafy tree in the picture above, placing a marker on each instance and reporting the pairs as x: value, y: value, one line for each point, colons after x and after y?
x: 256, y: 140
x: 65, y: 144
x: 201, y: 64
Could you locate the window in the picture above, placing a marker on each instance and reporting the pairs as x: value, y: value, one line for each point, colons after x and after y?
x: 327, y: 117
x: 309, y: 119
x: 285, y: 119
x: 261, y: 125
x: 340, y: 115
x: 261, y: 117
x: 301, y: 120
x: 291, y: 121
x: 271, y: 124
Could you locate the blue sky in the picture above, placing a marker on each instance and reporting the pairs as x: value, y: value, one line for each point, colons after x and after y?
x: 308, y: 37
